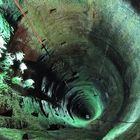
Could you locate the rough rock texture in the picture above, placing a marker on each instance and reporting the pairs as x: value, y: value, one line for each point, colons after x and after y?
x: 100, y: 40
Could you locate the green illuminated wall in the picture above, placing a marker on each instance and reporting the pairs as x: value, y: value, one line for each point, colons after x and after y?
x: 97, y: 39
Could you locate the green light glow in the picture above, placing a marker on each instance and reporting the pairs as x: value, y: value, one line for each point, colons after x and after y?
x: 5, y: 29
x: 128, y: 21
x: 3, y: 84
x: 19, y: 56
x: 28, y: 83
x: 92, y: 99
x: 131, y: 118
x: 5, y: 65
x: 22, y: 67
x: 94, y: 102
x: 5, y: 32
x: 17, y: 80
x: 8, y: 134
x: 125, y: 22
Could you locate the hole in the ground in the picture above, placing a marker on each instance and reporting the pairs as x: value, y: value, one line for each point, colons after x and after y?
x: 35, y: 114
x: 52, y: 10
x: 55, y: 127
x: 25, y: 137
x: 6, y: 112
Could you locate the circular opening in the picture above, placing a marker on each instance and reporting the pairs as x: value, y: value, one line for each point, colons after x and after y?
x: 82, y: 110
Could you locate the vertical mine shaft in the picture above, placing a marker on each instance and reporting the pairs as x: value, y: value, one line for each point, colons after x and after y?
x: 98, y: 41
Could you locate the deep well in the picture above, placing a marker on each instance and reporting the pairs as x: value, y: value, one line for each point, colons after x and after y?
x: 87, y: 80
